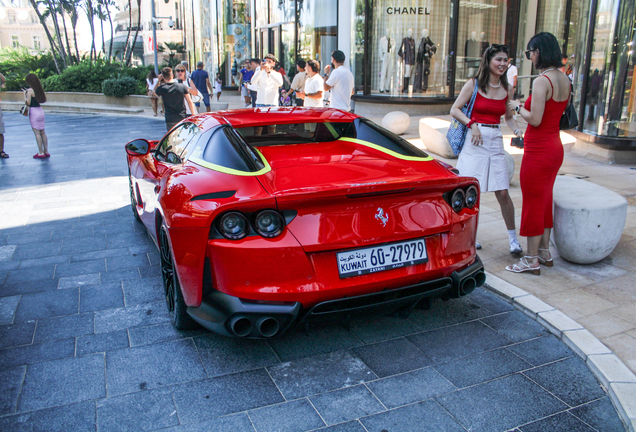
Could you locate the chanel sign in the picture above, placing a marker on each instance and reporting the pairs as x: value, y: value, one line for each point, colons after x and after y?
x: 407, y: 11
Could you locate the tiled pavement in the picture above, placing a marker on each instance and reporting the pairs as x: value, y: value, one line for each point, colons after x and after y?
x: 85, y: 343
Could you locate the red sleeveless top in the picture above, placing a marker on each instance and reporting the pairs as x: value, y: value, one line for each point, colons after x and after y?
x: 488, y: 111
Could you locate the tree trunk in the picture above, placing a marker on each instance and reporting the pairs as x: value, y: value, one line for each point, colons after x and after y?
x: 74, y: 23
x: 101, y: 22
x: 136, y: 33
x: 110, y: 19
x: 58, y: 34
x: 125, y: 53
x: 48, y: 34
x: 68, y: 44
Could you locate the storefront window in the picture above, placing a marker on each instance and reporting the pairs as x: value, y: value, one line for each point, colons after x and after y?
x: 317, y: 30
x: 609, y: 96
x: 480, y: 25
x: 234, y: 25
x: 409, y: 48
x: 357, y: 47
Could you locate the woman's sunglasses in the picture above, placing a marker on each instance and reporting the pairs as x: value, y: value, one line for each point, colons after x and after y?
x: 180, y: 70
x: 497, y: 48
x: 528, y: 53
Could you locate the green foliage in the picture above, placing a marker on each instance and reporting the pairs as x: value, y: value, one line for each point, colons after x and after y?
x: 173, y: 48
x: 16, y: 63
x: 121, y: 86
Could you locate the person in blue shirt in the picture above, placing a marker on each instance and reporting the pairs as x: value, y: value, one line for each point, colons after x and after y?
x: 246, y: 77
x: 201, y: 80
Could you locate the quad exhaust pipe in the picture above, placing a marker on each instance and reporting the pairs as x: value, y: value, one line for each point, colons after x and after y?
x: 265, y: 326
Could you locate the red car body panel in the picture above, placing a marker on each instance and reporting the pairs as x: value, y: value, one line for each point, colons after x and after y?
x: 335, y: 189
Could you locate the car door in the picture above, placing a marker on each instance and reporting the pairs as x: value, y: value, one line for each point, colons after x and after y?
x: 166, y: 159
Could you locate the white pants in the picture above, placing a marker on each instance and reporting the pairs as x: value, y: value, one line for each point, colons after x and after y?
x: 386, y: 72
x: 487, y: 162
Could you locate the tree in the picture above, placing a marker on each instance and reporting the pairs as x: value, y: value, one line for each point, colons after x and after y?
x: 173, y: 48
x: 42, y: 18
x: 130, y: 53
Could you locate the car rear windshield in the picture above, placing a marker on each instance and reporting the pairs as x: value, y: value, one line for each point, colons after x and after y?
x: 300, y: 133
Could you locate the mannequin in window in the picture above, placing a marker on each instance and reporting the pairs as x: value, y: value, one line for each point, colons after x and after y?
x: 424, y: 53
x: 484, y: 44
x: 407, y: 55
x: 473, y: 54
x: 387, y: 47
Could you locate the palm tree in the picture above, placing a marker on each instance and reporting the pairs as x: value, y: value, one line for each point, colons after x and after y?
x: 173, y: 48
x: 130, y: 53
x: 54, y: 48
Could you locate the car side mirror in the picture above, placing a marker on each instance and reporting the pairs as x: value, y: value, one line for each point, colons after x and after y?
x: 138, y: 147
x: 171, y: 157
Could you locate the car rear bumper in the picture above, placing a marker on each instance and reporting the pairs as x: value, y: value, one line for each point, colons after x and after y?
x: 232, y: 316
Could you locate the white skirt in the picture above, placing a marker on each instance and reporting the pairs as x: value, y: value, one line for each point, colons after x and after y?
x: 487, y: 162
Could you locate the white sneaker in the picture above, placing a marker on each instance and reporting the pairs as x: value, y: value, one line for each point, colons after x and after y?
x: 515, y: 247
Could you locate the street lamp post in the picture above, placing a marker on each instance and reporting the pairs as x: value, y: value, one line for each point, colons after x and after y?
x: 155, y: 19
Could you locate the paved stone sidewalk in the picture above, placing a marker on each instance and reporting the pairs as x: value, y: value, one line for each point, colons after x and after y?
x: 85, y: 342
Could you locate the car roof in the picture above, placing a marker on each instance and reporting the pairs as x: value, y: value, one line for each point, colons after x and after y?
x: 279, y: 115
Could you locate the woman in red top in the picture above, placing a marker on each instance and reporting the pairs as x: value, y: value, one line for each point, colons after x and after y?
x: 483, y: 155
x: 543, y: 150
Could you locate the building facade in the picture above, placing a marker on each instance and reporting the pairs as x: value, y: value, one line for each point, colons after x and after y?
x: 20, y: 27
x: 417, y: 54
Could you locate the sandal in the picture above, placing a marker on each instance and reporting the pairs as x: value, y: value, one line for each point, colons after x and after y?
x: 548, y: 262
x: 47, y: 155
x: 3, y: 155
x: 522, y: 266
x: 39, y: 156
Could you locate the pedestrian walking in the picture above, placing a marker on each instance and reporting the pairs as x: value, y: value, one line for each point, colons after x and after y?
x: 267, y: 81
x: 244, y: 81
x: 298, y: 83
x: 255, y: 65
x: 483, y: 155
x: 218, y: 86
x: 34, y: 96
x: 339, y: 81
x: 192, y: 90
x: 3, y: 155
x: 174, y: 94
x: 314, y: 86
x: 151, y: 82
x: 542, y: 150
x: 201, y: 80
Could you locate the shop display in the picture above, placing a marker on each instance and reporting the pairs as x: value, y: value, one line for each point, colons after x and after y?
x: 425, y: 51
x: 387, y: 47
x: 407, y: 56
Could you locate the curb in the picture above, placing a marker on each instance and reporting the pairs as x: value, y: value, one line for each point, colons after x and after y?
x: 616, y: 378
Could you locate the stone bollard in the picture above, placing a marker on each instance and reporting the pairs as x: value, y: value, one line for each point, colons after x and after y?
x: 433, y: 135
x: 397, y: 122
x: 588, y: 220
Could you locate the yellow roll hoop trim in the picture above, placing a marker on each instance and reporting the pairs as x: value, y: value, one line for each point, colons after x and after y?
x: 387, y: 151
x: 231, y: 171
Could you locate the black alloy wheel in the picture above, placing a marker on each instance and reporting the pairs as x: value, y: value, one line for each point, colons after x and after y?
x: 133, y: 200
x: 171, y: 287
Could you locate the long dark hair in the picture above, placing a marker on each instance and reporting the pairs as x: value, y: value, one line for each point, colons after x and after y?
x: 151, y: 75
x: 549, y: 50
x: 483, y: 73
x: 34, y: 82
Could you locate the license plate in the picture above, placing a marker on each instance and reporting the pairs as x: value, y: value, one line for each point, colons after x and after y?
x: 380, y: 258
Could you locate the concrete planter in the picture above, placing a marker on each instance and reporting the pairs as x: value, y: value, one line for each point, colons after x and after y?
x: 83, y: 98
x: 588, y: 220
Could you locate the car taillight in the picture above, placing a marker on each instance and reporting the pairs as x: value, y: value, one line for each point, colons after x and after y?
x: 269, y: 223
x: 458, y: 200
x: 471, y: 197
x: 233, y: 225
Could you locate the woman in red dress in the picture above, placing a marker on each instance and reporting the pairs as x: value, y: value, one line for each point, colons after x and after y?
x: 543, y: 150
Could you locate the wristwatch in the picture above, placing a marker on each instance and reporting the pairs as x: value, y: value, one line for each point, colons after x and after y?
x: 518, y: 109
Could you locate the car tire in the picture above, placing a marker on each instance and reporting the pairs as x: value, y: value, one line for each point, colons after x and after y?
x: 133, y: 200
x: 171, y: 286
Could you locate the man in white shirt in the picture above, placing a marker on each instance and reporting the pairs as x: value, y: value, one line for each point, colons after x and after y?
x: 298, y: 84
x: 266, y: 82
x: 340, y: 82
x: 511, y: 74
x: 314, y: 86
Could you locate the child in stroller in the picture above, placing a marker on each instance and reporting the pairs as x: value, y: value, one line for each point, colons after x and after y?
x: 285, y: 99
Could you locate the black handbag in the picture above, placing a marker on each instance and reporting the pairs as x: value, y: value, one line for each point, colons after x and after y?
x: 569, y: 119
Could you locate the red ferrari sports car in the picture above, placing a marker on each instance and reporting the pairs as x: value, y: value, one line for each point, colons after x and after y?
x: 267, y: 218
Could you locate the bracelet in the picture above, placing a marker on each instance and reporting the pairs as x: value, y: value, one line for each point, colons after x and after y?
x: 470, y: 123
x: 517, y: 131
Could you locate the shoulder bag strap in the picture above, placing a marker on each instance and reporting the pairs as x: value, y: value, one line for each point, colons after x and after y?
x: 472, y: 99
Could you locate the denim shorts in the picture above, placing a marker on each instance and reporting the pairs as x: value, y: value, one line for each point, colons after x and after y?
x: 206, y: 100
